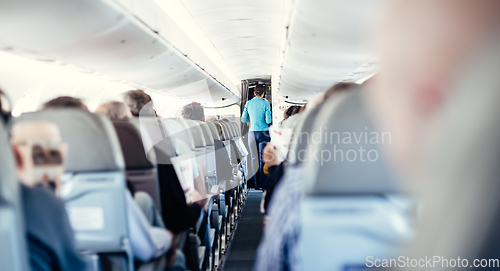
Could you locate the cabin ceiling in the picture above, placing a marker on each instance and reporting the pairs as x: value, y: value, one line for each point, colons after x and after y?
x: 325, y: 41
x: 166, y: 45
x: 247, y: 34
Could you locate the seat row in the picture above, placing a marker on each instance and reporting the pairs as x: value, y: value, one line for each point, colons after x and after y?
x: 147, y: 153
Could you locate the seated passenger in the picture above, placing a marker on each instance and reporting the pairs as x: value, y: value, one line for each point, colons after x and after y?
x: 51, y: 243
x: 119, y: 111
x: 194, y: 111
x: 147, y: 242
x: 271, y: 154
x: 278, y: 249
x: 114, y: 110
x: 181, y: 216
x: 136, y: 100
x: 65, y: 102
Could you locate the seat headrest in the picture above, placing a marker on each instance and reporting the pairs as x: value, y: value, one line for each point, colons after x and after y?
x: 226, y: 135
x: 299, y: 142
x: 158, y: 145
x: 197, y: 133
x: 132, y: 146
x: 346, y: 155
x: 235, y: 129
x: 92, y: 141
x: 209, y: 140
x: 8, y: 180
x: 177, y: 130
x: 213, y: 130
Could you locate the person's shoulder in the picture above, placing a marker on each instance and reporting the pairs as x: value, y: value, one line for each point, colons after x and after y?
x: 39, y: 194
x: 40, y: 200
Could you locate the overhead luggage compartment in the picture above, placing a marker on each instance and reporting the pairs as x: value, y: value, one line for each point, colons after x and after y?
x: 132, y: 41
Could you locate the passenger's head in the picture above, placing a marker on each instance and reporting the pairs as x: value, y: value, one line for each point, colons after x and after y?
x: 39, y: 153
x: 290, y: 111
x: 65, y: 102
x: 259, y: 91
x: 114, y: 110
x: 193, y: 111
x: 210, y: 118
x: 136, y: 100
x: 423, y: 44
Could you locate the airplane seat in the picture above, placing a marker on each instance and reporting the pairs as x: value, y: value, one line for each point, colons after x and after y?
x: 178, y: 132
x: 200, y: 144
x: 206, y: 233
x: 301, y: 136
x: 353, y: 208
x: 211, y: 159
x: 13, y: 251
x: 141, y: 170
x: 237, y: 149
x: 213, y: 130
x: 226, y: 137
x: 94, y: 183
x: 459, y: 170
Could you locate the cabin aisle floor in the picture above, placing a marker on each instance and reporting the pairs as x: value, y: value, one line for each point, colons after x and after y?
x: 243, y: 248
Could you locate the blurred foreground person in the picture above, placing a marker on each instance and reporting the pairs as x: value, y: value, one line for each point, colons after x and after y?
x: 51, y: 244
x: 428, y: 95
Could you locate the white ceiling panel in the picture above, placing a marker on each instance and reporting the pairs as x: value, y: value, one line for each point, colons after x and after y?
x: 327, y: 42
x: 246, y: 34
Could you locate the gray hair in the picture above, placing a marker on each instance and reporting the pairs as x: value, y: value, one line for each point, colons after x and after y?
x: 114, y: 110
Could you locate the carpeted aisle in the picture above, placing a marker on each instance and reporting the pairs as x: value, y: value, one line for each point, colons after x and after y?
x: 242, y: 251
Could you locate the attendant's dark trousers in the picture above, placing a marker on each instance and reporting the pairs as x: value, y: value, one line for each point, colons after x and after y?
x: 257, y: 141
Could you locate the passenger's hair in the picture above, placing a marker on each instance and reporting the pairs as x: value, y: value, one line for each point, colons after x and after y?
x: 338, y: 87
x: 5, y: 115
x: 135, y: 100
x: 258, y: 90
x: 193, y: 111
x: 292, y: 110
x: 303, y: 108
x: 219, y: 127
x: 114, y: 110
x: 224, y: 120
x: 65, y: 102
x: 210, y: 118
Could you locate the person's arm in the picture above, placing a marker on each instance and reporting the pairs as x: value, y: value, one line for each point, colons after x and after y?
x: 245, y: 118
x: 147, y: 242
x: 269, y: 116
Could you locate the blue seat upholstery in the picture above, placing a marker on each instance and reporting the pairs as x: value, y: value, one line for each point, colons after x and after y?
x: 94, y: 180
x: 12, y: 236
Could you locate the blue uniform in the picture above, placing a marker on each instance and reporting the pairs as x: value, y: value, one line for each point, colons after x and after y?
x: 257, y: 111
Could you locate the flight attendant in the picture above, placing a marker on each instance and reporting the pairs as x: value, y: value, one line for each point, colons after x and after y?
x: 257, y: 111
